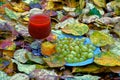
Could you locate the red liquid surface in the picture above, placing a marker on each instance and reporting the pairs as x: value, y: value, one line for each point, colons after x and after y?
x: 39, y: 26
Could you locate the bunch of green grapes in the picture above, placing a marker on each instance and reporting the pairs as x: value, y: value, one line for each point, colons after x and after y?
x: 74, y: 50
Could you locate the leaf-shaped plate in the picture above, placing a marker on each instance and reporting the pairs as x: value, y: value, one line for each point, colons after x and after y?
x: 87, y: 41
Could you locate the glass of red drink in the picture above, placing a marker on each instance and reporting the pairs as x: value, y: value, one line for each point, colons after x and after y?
x: 39, y: 26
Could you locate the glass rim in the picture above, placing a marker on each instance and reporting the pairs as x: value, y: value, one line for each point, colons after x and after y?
x: 47, y: 16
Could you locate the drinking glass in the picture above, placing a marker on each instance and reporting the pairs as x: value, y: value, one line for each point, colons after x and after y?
x: 39, y: 26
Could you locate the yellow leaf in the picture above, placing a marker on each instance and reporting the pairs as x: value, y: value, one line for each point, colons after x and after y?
x: 89, y: 68
x: 100, y: 3
x: 99, y: 38
x: 19, y: 6
x: 82, y: 4
x: 50, y: 5
x: 108, y: 59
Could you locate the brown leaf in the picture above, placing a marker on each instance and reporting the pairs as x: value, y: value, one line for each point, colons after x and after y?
x: 10, y: 70
x: 115, y: 69
x: 8, y: 54
x: 3, y: 63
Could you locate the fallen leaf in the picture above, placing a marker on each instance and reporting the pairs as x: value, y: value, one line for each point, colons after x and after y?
x: 71, y: 3
x: 54, y: 62
x: 21, y: 29
x: 19, y: 7
x: 20, y: 76
x: 4, y: 76
x: 89, y: 69
x: 47, y: 48
x: 11, y: 14
x: 24, y: 67
x: 115, y: 69
x: 8, y: 54
x: 107, y: 59
x: 115, y: 48
x: 3, y: 63
x: 6, y: 5
x: 84, y: 77
x: 20, y: 55
x: 77, y: 29
x: 10, y: 70
x: 34, y: 58
x: 99, y: 38
x: 7, y: 44
x: 43, y: 74
x: 100, y: 3
x: 81, y: 4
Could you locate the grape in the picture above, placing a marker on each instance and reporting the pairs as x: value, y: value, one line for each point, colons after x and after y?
x: 84, y: 48
x: 69, y: 60
x: 90, y: 55
x: 65, y: 53
x: 81, y: 59
x: 71, y: 48
x: 65, y: 46
x: 78, y: 55
x: 75, y: 59
x: 58, y: 49
x: 74, y: 50
x: 85, y: 54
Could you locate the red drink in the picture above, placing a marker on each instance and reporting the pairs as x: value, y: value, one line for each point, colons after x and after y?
x: 39, y: 26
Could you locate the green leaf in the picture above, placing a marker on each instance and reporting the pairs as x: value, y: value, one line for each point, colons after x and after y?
x: 20, y: 76
x: 41, y: 66
x: 94, y: 11
x: 36, y: 59
x: 78, y: 10
x: 11, y: 14
x: 85, y: 77
x: 1, y: 3
x: 24, y: 67
x: 20, y: 55
x: 99, y: 38
x: 77, y: 29
x: 115, y: 48
x: 53, y: 61
x: 4, y: 76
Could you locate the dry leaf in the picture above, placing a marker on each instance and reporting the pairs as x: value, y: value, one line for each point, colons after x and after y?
x: 89, y: 68
x: 100, y: 38
x: 115, y: 69
x: 19, y: 7
x: 77, y: 29
x: 107, y: 59
x: 100, y: 3
x: 54, y: 62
